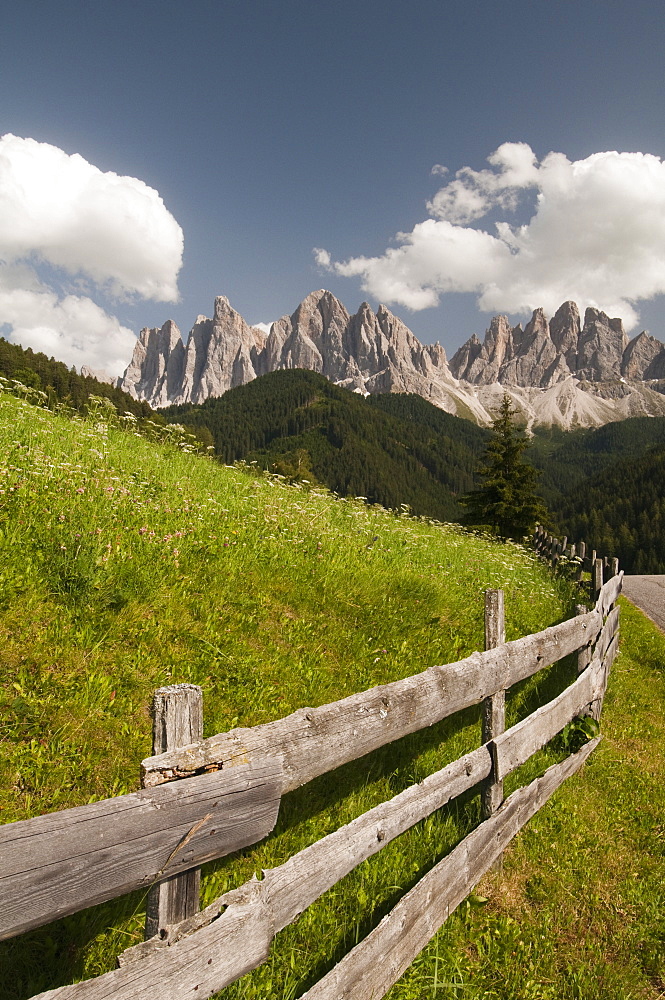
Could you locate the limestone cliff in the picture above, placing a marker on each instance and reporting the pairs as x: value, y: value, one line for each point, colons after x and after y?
x: 557, y: 371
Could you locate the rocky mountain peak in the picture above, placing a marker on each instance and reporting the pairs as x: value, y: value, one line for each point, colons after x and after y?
x: 557, y: 371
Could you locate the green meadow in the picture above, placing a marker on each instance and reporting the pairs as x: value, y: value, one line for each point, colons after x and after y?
x: 128, y: 564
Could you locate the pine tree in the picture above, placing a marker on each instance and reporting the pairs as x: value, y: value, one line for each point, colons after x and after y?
x: 505, y: 502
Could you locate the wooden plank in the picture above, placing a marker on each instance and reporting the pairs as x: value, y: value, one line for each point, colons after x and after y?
x: 608, y: 659
x: 608, y: 594
x: 195, y: 967
x: 517, y: 744
x: 584, y: 655
x: 63, y: 862
x: 373, y: 966
x: 611, y: 655
x: 294, y: 885
x: 196, y: 954
x: 313, y: 741
x: 172, y: 964
x: 607, y: 633
x: 494, y: 707
x: 177, y: 720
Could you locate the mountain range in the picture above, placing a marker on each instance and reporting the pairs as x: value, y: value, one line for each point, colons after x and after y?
x: 561, y: 372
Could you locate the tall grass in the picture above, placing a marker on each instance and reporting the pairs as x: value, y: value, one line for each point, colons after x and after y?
x: 127, y: 565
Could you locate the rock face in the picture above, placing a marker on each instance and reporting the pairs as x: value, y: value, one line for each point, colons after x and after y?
x: 557, y: 372
x: 544, y: 354
x: 367, y: 352
x: 221, y: 353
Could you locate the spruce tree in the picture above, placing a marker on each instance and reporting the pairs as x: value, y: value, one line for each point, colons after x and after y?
x: 505, y: 502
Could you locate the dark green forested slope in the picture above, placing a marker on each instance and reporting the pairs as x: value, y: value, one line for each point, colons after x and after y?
x: 567, y: 458
x: 60, y: 382
x: 621, y: 512
x: 607, y: 486
x: 390, y: 449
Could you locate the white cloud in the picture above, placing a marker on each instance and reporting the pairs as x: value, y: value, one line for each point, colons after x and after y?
x: 59, y: 211
x: 596, y: 235
x: 73, y: 329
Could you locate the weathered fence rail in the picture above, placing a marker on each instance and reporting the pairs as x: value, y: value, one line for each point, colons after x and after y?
x: 209, y: 798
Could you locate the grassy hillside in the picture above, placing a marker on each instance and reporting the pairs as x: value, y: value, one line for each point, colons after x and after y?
x: 397, y: 448
x: 127, y: 565
x: 391, y: 449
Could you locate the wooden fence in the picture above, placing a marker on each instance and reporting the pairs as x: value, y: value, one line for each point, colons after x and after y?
x: 557, y: 551
x: 211, y: 797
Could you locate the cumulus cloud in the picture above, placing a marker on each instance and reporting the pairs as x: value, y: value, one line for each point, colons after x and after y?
x: 60, y: 214
x: 596, y: 235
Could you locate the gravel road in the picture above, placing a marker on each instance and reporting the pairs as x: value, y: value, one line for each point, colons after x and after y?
x: 648, y: 593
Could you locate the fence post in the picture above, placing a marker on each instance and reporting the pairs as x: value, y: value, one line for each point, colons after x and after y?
x: 597, y: 578
x: 494, y: 707
x: 581, y: 551
x: 177, y: 719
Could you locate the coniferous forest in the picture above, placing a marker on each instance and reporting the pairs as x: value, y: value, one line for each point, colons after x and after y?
x: 60, y: 383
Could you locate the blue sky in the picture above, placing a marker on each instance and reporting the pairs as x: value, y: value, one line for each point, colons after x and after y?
x: 272, y: 129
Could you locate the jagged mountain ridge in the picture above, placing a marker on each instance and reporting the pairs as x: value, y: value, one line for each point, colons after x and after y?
x: 559, y: 372
x: 544, y: 353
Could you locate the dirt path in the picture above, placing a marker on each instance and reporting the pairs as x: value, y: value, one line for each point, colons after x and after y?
x: 648, y: 593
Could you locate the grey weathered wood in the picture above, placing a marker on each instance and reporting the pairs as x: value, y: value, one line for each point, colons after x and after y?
x: 65, y: 861
x: 313, y: 741
x: 517, y: 744
x: 609, y: 593
x: 597, y: 578
x: 607, y: 633
x: 177, y: 720
x: 234, y: 944
x: 611, y: 653
x: 373, y: 966
x: 494, y: 707
x: 171, y: 966
x: 606, y: 649
x: 584, y: 655
x: 615, y: 566
x: 242, y: 923
x: 291, y: 888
